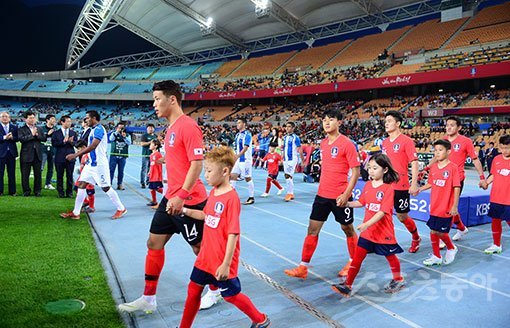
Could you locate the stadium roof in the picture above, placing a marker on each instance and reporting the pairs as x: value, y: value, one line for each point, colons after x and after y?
x: 184, y: 27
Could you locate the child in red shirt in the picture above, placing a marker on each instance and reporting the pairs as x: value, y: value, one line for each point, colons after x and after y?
x: 155, y: 171
x: 88, y: 204
x: 500, y: 193
x: 377, y: 233
x: 444, y: 182
x: 218, y: 259
x: 273, y: 160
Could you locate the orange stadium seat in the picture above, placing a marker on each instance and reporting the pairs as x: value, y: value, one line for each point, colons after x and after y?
x: 481, y: 35
x: 490, y: 16
x: 429, y: 35
x: 264, y: 65
x: 227, y: 68
x: 402, y: 69
x: 367, y: 48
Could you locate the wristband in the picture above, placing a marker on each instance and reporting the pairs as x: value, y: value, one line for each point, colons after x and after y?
x: 482, y: 177
x: 182, y: 194
x: 427, y: 168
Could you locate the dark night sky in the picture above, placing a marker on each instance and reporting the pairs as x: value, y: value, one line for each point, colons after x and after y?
x: 35, y: 35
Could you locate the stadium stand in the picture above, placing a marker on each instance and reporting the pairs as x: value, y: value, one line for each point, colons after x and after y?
x: 264, y: 65
x: 49, y: 86
x: 9, y: 84
x: 135, y: 73
x: 227, y: 68
x: 490, y: 98
x: 491, y: 33
x: 490, y: 16
x: 90, y: 87
x: 134, y: 88
x: 402, y: 69
x: 174, y: 72
x: 208, y: 68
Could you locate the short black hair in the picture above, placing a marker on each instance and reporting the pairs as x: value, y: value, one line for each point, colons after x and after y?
x: 169, y: 88
x: 94, y: 114
x: 291, y: 124
x: 151, y: 125
x: 273, y: 144
x: 504, y: 140
x: 81, y: 143
x: 242, y: 119
x: 333, y: 113
x: 491, y: 143
x: 156, y: 142
x: 443, y: 142
x: 396, y: 115
x: 121, y: 123
x: 48, y: 117
x: 64, y: 118
x: 383, y: 161
x: 28, y: 113
x: 457, y: 120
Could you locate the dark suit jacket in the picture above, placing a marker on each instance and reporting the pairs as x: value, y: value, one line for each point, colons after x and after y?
x: 30, y: 146
x: 63, y: 149
x: 8, y: 145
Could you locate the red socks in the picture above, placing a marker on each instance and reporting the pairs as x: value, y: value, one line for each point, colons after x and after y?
x: 446, y: 239
x: 277, y: 184
x: 411, y: 227
x: 357, y: 259
x: 153, y: 195
x: 91, y: 200
x: 243, y: 303
x: 268, y: 184
x: 394, y: 266
x: 457, y: 220
x: 497, y: 230
x: 352, y: 242
x: 309, y: 247
x: 434, y: 240
x: 154, y: 262
x: 192, y: 304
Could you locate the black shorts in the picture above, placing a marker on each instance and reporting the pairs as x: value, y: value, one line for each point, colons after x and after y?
x: 499, y: 211
x: 155, y: 185
x: 262, y: 153
x: 402, y: 201
x: 379, y: 249
x: 165, y: 224
x: 438, y: 224
x: 273, y: 176
x: 322, y: 207
x: 229, y: 287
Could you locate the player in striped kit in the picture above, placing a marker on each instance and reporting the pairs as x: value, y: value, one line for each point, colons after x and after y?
x: 291, y: 151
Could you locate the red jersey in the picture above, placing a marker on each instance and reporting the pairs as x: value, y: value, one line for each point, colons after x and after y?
x: 221, y: 219
x: 462, y: 148
x: 443, y: 181
x: 155, y: 169
x: 500, y: 169
x: 183, y: 144
x: 337, y: 158
x: 401, y: 152
x: 273, y: 160
x: 375, y: 200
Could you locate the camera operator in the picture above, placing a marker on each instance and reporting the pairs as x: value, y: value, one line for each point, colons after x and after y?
x: 120, y: 140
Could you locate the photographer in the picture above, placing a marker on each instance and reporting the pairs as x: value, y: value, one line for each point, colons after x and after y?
x: 119, y: 152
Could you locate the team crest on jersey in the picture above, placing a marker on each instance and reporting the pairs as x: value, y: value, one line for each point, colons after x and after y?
x: 379, y: 195
x: 171, y: 139
x: 456, y: 147
x: 504, y: 172
x: 334, y: 152
x: 218, y: 208
x: 446, y: 174
x: 396, y: 147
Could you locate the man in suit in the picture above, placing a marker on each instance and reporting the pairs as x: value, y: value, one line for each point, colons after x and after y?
x: 491, y: 153
x: 63, y: 141
x: 48, y: 151
x: 8, y: 152
x: 31, y: 137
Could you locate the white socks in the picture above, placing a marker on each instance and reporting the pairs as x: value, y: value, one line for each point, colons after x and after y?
x: 115, y: 199
x: 78, y: 202
x: 251, y: 188
x: 290, y: 186
x: 151, y: 299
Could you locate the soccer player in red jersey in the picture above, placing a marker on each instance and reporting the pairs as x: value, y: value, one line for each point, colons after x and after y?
x: 462, y: 148
x: 444, y: 180
x: 401, y: 151
x: 218, y: 260
x: 183, y: 158
x: 377, y: 233
x: 273, y: 160
x: 500, y: 193
x: 338, y: 155
x: 155, y: 171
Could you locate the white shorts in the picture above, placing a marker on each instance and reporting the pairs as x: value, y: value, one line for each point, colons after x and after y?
x: 99, y: 175
x: 243, y: 169
x: 289, y: 167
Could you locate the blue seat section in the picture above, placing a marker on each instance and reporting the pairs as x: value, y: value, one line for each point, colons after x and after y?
x: 208, y: 68
x: 7, y: 84
x: 15, y: 108
x: 135, y: 73
x: 91, y: 87
x: 134, y: 88
x: 48, y: 86
x: 174, y: 72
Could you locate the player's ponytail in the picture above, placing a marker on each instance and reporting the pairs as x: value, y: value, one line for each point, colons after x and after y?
x: 383, y: 161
